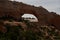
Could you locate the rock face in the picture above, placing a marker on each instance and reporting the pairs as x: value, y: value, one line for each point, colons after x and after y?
x: 56, y: 22
x: 17, y: 9
x: 4, y: 0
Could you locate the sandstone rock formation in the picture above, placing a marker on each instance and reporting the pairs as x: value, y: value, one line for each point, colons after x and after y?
x: 17, y: 9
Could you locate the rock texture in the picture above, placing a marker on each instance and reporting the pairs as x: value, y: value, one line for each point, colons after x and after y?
x: 17, y: 9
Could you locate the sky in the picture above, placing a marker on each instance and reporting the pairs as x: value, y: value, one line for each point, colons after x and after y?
x: 30, y: 16
x: 50, y: 5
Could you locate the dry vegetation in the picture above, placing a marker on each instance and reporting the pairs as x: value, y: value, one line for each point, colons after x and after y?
x: 28, y: 31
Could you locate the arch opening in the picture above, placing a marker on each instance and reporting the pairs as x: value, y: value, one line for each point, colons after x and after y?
x: 30, y: 17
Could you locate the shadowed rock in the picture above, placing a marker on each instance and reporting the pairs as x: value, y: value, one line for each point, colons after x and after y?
x: 17, y: 9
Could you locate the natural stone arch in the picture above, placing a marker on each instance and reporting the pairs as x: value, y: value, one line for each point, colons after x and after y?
x: 30, y: 17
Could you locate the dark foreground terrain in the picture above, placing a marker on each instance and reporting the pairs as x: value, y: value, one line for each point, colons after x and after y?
x: 28, y: 31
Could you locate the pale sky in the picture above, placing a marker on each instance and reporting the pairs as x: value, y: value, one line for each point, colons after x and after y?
x: 50, y: 5
x: 30, y: 16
